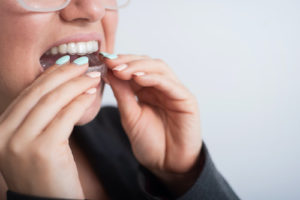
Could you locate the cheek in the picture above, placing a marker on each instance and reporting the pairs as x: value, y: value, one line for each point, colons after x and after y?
x: 16, y: 73
x: 110, y: 24
x: 21, y: 40
x: 19, y: 62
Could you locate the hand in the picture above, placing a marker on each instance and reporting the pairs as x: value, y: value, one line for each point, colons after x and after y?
x: 163, y: 126
x: 35, y: 155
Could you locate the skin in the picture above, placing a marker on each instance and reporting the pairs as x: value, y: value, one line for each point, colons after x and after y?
x: 163, y: 126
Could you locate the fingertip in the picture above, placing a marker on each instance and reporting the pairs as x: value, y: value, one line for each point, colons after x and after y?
x: 109, y: 59
x: 139, y: 74
x: 63, y: 60
x: 108, y: 55
x: 113, y: 61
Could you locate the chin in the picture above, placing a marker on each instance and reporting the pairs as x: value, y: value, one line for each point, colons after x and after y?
x: 94, y: 108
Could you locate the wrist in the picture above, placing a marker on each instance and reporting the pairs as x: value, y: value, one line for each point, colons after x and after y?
x: 179, y: 183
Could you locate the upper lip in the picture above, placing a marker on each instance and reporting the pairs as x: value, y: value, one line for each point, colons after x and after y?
x: 81, y: 37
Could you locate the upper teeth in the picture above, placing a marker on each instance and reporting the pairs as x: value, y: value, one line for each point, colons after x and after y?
x: 80, y: 48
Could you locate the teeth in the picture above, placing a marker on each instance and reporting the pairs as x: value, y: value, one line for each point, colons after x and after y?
x: 62, y: 48
x: 54, y: 51
x: 80, y: 48
x: 72, y: 48
x: 89, y: 47
x: 95, y: 45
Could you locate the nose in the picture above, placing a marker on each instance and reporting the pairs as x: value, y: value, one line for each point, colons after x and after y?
x: 83, y: 10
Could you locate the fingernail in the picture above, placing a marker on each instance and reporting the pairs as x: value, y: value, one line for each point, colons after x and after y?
x: 91, y: 91
x: 109, y: 56
x: 120, y: 67
x: 139, y: 73
x: 94, y: 74
x: 63, y: 60
x: 81, y: 61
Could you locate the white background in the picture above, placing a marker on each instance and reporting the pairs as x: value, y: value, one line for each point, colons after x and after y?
x: 241, y: 59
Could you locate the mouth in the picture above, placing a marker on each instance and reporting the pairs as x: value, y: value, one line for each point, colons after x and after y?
x: 75, y: 50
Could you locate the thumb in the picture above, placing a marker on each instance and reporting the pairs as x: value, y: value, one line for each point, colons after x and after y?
x: 129, y: 108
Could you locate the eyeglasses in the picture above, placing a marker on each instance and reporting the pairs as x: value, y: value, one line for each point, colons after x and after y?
x: 55, y: 5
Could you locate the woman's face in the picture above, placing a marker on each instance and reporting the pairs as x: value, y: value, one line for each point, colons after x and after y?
x: 25, y: 36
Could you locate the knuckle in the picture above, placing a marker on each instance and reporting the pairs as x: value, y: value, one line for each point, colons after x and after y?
x: 61, y: 70
x: 14, y: 147
x: 27, y: 90
x: 68, y: 112
x: 64, y: 113
x: 36, y: 90
x: 40, y: 151
x: 77, y: 104
x: 50, y: 97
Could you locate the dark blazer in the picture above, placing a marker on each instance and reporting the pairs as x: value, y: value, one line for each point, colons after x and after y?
x: 107, y: 147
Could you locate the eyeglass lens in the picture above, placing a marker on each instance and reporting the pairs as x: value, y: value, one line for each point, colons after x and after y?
x: 50, y: 4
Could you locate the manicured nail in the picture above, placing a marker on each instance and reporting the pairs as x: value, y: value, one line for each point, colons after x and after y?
x: 139, y: 73
x: 109, y: 56
x: 63, y: 60
x: 120, y: 67
x: 91, y: 91
x: 81, y: 61
x: 94, y: 74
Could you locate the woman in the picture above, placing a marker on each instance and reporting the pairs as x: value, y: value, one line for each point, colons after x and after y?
x: 150, y: 148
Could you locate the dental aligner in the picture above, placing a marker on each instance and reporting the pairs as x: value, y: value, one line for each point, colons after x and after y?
x: 95, y: 64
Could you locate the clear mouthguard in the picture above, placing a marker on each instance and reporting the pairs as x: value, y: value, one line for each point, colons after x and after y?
x: 95, y: 64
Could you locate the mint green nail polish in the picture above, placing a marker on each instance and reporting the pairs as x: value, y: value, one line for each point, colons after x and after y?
x: 109, y: 56
x: 81, y: 61
x: 63, y: 60
x: 103, y: 53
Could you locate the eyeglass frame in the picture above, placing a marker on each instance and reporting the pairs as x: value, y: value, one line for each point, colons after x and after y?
x: 24, y: 5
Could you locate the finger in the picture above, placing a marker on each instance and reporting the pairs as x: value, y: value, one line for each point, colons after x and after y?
x: 42, y: 76
x: 126, y: 99
x: 50, y: 69
x: 20, y: 107
x: 165, y: 93
x: 49, y: 105
x: 60, y: 128
x: 126, y: 71
x: 168, y: 87
x: 121, y: 58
